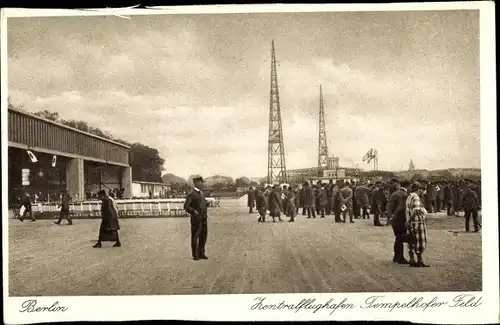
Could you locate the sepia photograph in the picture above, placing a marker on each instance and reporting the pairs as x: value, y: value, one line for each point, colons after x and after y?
x: 252, y: 153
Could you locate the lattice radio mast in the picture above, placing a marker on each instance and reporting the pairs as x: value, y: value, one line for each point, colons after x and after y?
x: 322, y: 142
x: 276, y: 168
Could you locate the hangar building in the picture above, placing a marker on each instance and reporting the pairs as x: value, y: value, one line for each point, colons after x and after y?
x: 45, y: 157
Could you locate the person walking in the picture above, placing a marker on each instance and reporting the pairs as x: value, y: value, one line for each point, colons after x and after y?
x: 250, y: 200
x: 25, y: 210
x: 64, y: 208
x: 260, y: 205
x: 275, y: 203
x: 108, y: 231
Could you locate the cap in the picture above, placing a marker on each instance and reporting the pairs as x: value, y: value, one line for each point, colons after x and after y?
x: 415, y: 186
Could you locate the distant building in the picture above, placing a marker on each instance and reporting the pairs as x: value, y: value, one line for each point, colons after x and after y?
x: 333, y: 163
x: 465, y: 172
x: 412, y: 165
x: 334, y: 173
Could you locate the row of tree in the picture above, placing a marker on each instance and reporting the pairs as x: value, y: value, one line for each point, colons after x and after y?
x: 146, y: 162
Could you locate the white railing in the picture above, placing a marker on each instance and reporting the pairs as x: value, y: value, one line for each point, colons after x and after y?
x: 133, y: 207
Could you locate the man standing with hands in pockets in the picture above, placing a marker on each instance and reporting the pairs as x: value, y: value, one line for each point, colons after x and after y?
x: 196, y: 206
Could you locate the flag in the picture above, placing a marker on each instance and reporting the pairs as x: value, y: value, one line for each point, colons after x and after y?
x: 54, y: 159
x: 32, y: 156
x: 367, y: 155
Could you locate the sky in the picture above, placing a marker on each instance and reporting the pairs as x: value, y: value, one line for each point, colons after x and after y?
x: 196, y: 87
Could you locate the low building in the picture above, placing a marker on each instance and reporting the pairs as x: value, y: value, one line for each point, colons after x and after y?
x: 150, y: 189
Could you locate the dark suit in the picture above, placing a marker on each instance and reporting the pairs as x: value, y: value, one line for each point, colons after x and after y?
x: 397, y: 215
x: 64, y: 213
x: 196, y: 206
x: 260, y: 204
x: 26, y: 202
x: 471, y: 207
x: 251, y: 201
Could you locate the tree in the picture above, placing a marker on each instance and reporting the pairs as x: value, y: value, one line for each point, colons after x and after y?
x: 146, y: 163
x: 16, y: 107
x: 53, y: 116
x: 242, y: 181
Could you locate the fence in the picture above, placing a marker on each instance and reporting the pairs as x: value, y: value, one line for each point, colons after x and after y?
x: 126, y: 208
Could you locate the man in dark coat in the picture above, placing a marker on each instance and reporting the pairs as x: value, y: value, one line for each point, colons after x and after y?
x: 362, y: 197
x: 471, y: 206
x: 260, y: 205
x: 26, y: 203
x: 250, y: 200
x: 302, y: 199
x: 449, y: 199
x: 309, y: 200
x: 274, y: 202
x: 440, y: 197
x: 196, y: 206
x: 284, y: 200
x: 337, y: 201
x: 297, y: 200
x: 316, y: 197
x: 108, y: 231
x: 322, y: 200
x: 346, y: 197
x: 329, y: 195
x: 397, y: 218
x: 356, y: 209
x: 379, y: 201
x: 64, y: 212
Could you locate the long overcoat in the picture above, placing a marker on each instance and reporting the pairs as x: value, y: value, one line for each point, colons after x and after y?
x: 109, y: 221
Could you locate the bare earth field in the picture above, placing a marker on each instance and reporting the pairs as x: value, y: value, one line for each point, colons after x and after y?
x: 308, y: 256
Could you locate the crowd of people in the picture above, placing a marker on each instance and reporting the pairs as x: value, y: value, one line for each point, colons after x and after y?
x: 404, y: 206
x: 355, y: 200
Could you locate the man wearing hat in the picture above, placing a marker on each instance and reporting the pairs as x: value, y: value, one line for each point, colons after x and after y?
x: 196, y: 206
x: 396, y: 217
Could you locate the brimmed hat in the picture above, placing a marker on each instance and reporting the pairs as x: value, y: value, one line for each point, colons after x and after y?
x: 198, y: 178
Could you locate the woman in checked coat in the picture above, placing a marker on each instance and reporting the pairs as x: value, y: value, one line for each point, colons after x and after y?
x: 415, y: 223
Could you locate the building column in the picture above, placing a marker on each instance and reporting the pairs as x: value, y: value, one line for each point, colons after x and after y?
x: 75, y: 181
x: 126, y: 181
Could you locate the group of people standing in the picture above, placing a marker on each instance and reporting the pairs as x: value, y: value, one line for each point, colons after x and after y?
x: 405, y: 205
x: 344, y: 200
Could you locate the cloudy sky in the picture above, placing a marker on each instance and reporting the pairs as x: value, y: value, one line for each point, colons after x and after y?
x: 196, y: 87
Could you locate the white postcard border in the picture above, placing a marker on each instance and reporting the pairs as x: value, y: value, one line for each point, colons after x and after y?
x: 239, y: 307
